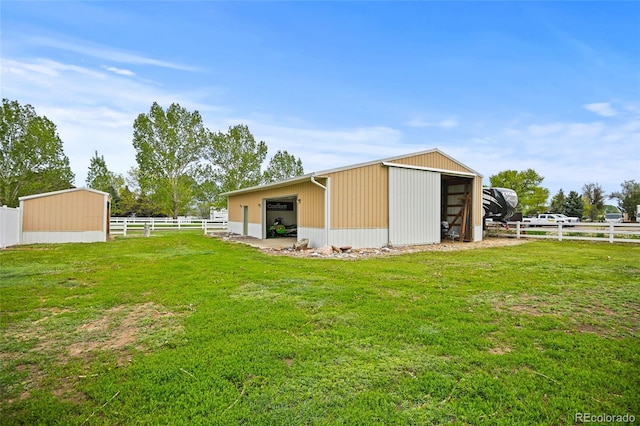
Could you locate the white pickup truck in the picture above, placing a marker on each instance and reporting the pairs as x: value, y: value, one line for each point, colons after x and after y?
x: 550, y: 219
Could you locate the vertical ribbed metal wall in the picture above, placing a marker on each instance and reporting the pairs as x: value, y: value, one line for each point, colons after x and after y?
x: 414, y: 206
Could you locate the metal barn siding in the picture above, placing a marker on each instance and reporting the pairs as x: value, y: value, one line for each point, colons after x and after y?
x: 73, y: 215
x: 414, y: 206
x: 433, y: 159
x: 309, y: 206
x: 359, y: 198
x: 351, y: 205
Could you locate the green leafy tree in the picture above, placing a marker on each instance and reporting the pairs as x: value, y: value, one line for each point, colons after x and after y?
x: 594, y: 200
x: 558, y: 202
x: 532, y: 197
x: 31, y: 156
x: 573, y: 205
x: 169, y: 146
x: 282, y: 166
x: 628, y: 198
x: 236, y: 160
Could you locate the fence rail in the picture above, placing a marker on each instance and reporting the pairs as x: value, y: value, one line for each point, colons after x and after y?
x: 124, y: 225
x: 608, y: 232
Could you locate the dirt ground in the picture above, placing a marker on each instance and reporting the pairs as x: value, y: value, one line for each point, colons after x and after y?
x: 284, y: 247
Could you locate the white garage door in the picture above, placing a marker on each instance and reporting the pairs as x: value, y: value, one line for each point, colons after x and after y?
x: 414, y: 206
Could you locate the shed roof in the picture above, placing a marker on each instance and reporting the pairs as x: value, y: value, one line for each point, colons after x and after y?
x: 384, y: 162
x: 48, y: 194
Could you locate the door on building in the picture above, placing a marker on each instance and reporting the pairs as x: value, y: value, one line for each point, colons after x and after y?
x: 414, y: 206
x: 245, y: 220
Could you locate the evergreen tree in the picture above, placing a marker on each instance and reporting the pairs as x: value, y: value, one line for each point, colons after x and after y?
x: 558, y: 202
x: 573, y: 205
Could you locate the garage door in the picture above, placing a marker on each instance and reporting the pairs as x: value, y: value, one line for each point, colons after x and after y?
x: 414, y: 206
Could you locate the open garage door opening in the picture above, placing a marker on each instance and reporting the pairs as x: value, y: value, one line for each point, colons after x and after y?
x: 281, y: 217
x: 456, y: 208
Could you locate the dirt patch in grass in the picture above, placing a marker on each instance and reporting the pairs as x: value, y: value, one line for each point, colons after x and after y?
x: 121, y: 328
x: 60, y: 336
x: 499, y: 350
x: 601, y: 312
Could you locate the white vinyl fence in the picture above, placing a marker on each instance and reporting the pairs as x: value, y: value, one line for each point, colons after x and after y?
x: 608, y: 232
x: 147, y: 225
x: 9, y: 226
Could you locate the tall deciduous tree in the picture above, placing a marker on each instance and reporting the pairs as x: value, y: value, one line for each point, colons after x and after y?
x: 282, y: 166
x: 169, y: 146
x: 236, y: 160
x: 594, y: 197
x: 31, y: 156
x: 532, y: 197
x: 628, y: 198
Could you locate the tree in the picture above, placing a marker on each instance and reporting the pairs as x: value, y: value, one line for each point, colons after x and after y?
x: 282, y: 166
x: 31, y: 156
x: 99, y: 177
x: 531, y: 196
x: 557, y: 202
x: 573, y: 205
x: 236, y: 161
x: 628, y: 198
x: 594, y: 197
x: 169, y: 146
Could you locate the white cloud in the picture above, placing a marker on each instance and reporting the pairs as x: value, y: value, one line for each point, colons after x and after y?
x: 545, y: 129
x: 106, y: 53
x: 601, y: 108
x: 419, y: 122
x: 119, y: 71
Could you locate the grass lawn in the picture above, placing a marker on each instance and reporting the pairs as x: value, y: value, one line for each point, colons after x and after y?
x: 184, y: 329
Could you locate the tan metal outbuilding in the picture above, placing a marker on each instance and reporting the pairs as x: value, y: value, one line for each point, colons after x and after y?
x: 395, y: 201
x: 78, y: 215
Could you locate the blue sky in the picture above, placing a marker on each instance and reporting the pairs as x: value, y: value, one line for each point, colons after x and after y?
x: 553, y: 86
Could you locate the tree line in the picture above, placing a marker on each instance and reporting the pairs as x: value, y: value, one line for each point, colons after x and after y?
x: 183, y: 167
x: 588, y: 204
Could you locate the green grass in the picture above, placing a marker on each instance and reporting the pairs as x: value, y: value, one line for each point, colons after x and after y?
x: 184, y: 329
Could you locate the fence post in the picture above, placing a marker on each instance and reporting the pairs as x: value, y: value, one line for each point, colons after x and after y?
x: 559, y: 231
x: 153, y: 223
x: 204, y: 226
x: 518, y: 230
x: 611, y: 227
x: 124, y: 227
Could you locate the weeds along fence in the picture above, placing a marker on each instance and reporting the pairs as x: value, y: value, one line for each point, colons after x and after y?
x: 125, y: 225
x: 608, y: 232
